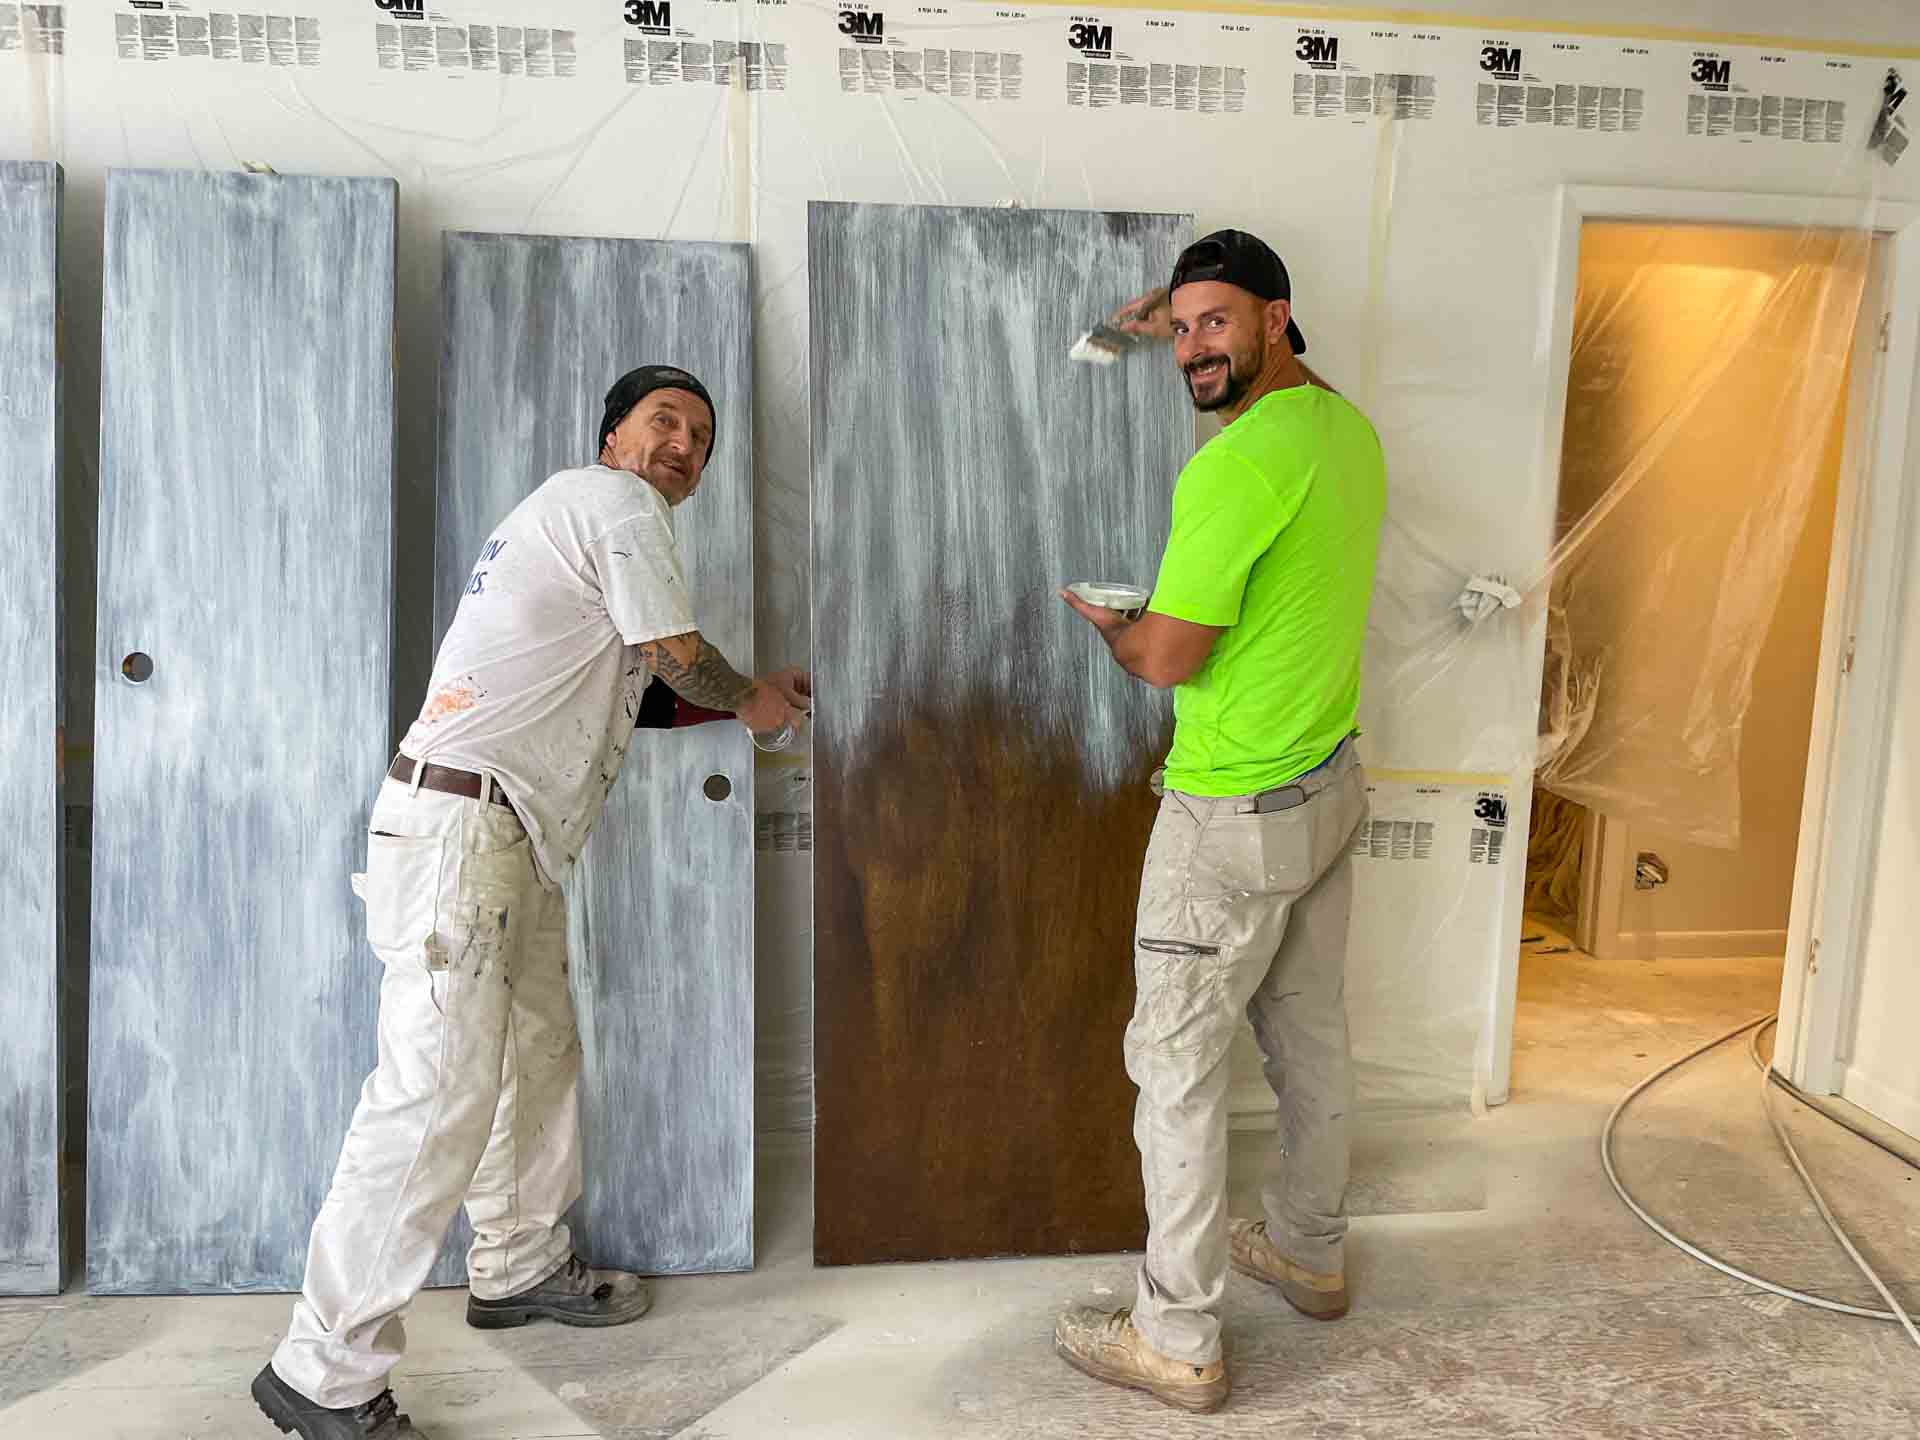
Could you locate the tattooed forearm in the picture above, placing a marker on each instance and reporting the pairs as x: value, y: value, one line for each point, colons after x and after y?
x: 697, y: 671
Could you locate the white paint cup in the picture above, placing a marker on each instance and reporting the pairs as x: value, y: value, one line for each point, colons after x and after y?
x: 1129, y: 600
x: 779, y: 740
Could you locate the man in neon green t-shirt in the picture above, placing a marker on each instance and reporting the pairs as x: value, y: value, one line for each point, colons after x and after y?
x: 1256, y: 623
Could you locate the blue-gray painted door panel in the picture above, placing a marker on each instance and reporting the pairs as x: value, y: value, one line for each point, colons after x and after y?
x: 246, y: 478
x: 32, y: 954
x: 661, y: 902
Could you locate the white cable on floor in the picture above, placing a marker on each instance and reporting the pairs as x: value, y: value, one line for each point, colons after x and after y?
x: 1819, y: 1200
x: 1606, y: 1160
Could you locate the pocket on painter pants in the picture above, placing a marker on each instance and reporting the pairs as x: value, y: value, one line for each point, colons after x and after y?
x: 401, y: 888
x: 1288, y: 842
x: 494, y: 883
x: 1229, y: 857
x: 498, y: 877
x: 1179, y: 1005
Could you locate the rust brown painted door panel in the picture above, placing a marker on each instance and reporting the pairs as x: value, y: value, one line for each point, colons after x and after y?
x: 982, y: 767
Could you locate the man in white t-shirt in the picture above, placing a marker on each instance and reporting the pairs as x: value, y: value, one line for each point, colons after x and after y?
x: 576, y: 602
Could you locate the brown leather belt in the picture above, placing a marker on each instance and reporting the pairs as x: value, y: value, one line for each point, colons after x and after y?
x: 447, y: 780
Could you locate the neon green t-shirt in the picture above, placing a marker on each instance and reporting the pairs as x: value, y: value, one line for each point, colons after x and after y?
x: 1275, y: 524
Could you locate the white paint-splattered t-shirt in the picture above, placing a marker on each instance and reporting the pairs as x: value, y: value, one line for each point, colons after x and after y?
x: 538, y: 680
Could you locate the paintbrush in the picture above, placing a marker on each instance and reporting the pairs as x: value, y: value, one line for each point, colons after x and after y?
x: 1107, y: 342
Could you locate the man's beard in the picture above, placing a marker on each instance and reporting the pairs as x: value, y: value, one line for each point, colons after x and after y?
x: 1239, y: 378
x: 663, y: 478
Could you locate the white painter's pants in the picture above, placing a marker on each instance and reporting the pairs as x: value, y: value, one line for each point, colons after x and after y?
x: 474, y: 1097
x: 1241, y: 913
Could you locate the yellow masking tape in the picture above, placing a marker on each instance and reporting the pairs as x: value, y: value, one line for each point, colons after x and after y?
x: 1501, y: 25
x: 1440, y: 777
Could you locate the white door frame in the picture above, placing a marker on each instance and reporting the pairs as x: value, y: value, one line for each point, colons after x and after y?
x: 1840, y: 818
x: 1847, y: 754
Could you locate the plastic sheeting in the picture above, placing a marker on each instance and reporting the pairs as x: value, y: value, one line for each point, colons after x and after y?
x: 1410, y: 177
x: 1707, y: 367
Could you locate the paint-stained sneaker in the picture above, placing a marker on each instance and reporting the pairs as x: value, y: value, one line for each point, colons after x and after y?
x: 294, y: 1414
x: 1321, y: 1297
x: 1104, y: 1344
x: 573, y: 1295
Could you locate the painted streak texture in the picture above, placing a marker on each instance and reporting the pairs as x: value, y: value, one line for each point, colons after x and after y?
x: 32, y: 859
x: 661, y: 902
x: 982, y: 765
x: 246, y: 476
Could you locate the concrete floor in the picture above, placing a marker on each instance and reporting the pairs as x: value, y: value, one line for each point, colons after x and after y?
x: 1538, y: 1307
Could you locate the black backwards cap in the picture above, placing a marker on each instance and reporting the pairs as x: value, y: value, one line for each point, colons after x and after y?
x: 1234, y: 257
x: 634, y: 386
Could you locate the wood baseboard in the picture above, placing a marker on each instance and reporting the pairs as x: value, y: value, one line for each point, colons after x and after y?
x: 1700, y: 944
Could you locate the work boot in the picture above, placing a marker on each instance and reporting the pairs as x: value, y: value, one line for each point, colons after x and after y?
x: 1104, y: 1344
x: 573, y: 1295
x: 1320, y: 1297
x: 294, y: 1414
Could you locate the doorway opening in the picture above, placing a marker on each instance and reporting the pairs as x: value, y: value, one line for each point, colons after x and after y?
x: 1704, y: 460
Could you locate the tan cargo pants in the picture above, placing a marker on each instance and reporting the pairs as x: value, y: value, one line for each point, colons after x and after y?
x: 1241, y: 911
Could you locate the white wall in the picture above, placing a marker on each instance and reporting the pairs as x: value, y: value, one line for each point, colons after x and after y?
x: 1420, y: 251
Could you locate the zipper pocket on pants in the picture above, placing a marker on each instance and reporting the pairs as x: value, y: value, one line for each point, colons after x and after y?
x: 1177, y: 1001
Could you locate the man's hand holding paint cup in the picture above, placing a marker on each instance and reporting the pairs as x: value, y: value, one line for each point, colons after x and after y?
x: 776, y: 706
x: 1105, y: 605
